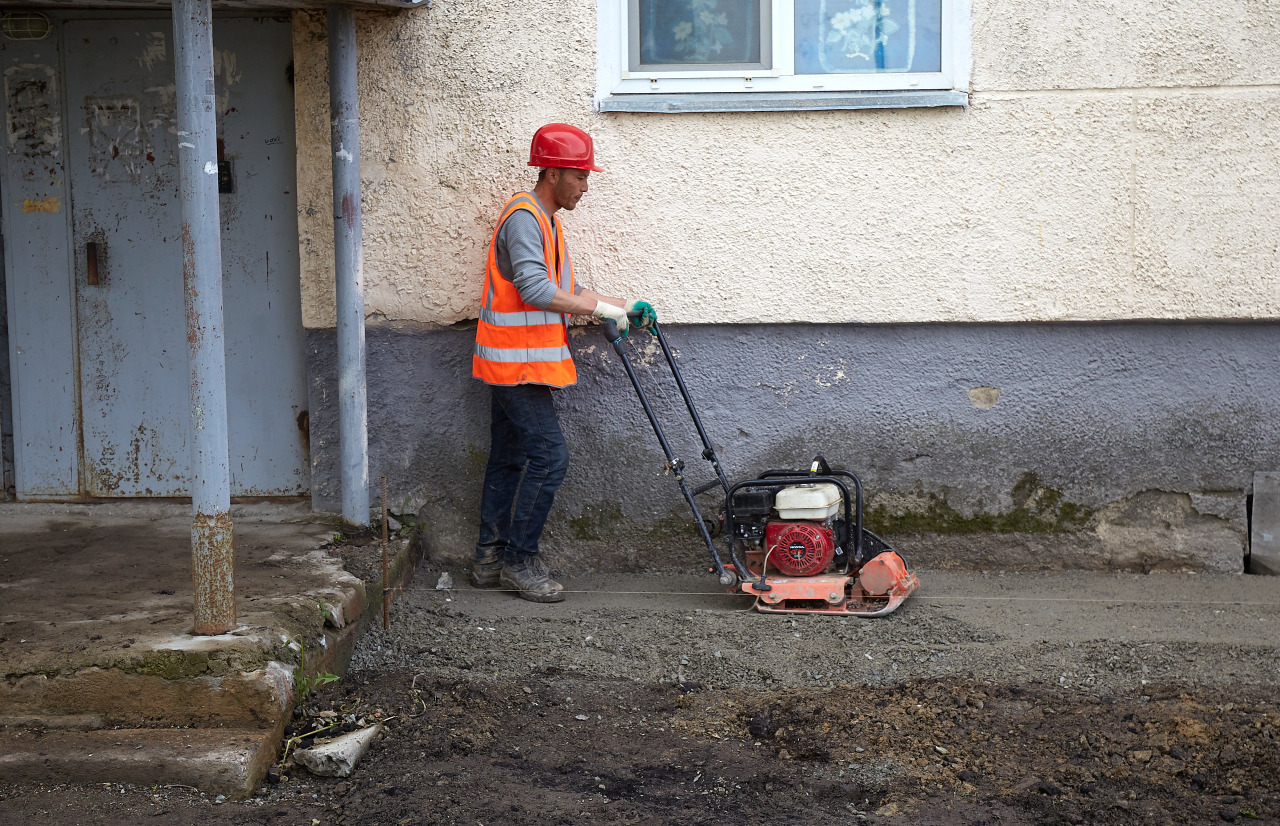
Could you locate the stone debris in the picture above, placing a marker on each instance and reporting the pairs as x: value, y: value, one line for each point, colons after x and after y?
x: 338, y: 757
x: 445, y: 583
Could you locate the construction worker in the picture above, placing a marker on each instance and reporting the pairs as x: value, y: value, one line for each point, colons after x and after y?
x: 522, y: 353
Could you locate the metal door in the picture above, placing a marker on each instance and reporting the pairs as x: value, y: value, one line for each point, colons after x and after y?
x: 127, y: 257
x: 41, y: 353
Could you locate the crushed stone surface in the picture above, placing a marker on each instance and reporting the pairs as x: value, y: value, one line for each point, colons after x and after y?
x: 1027, y: 698
x: 1098, y: 633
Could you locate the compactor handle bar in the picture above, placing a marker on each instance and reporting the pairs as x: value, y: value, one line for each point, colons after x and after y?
x: 675, y: 465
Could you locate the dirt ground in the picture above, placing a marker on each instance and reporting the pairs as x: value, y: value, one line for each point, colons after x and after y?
x: 1045, y: 698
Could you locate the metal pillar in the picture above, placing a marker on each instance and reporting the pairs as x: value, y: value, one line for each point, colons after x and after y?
x: 348, y: 254
x: 211, y: 527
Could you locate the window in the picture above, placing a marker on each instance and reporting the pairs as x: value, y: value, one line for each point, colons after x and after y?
x: 798, y: 48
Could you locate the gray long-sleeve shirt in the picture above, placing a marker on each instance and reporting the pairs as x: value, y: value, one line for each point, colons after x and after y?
x: 520, y: 260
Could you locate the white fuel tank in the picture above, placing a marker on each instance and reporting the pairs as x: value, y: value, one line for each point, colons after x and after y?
x: 816, y: 502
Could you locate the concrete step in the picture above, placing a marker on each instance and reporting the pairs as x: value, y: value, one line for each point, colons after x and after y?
x: 90, y: 693
x: 226, y: 761
x: 104, y: 697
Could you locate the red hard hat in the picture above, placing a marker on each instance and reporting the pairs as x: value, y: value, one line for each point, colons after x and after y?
x: 562, y: 145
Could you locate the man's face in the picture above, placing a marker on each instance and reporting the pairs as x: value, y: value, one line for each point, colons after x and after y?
x: 568, y: 186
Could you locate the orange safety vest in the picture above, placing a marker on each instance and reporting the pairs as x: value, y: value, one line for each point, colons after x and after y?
x: 516, y: 343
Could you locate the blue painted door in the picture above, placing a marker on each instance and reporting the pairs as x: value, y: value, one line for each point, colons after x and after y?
x: 125, y: 259
x: 33, y: 169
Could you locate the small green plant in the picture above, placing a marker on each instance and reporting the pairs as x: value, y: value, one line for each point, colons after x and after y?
x: 307, y: 684
x: 407, y: 518
x: 303, y: 683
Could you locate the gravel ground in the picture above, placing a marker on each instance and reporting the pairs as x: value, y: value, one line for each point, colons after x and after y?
x: 1019, y: 698
x: 1098, y: 633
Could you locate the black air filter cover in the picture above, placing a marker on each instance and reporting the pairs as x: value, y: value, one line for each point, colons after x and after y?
x: 752, y: 503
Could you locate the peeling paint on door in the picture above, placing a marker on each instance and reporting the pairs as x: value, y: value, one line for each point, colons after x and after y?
x: 154, y: 51
x: 225, y: 68
x: 117, y: 143
x: 226, y: 73
x: 31, y: 110
x: 163, y: 101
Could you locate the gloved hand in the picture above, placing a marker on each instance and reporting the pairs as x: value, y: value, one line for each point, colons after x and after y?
x: 616, y: 314
x: 648, y: 315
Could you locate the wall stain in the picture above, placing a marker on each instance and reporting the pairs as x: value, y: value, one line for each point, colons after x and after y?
x: 984, y: 398
x: 50, y: 204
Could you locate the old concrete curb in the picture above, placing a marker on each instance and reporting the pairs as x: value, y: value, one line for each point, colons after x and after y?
x: 233, y: 723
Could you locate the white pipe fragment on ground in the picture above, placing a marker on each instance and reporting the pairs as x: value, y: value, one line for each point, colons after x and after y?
x: 338, y: 757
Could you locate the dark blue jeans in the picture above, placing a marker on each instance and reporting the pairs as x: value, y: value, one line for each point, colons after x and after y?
x: 527, y: 462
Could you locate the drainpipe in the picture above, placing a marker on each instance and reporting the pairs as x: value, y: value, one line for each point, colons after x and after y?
x: 348, y: 255
x: 211, y: 559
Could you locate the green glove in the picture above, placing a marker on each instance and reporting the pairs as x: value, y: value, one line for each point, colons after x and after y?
x: 648, y: 315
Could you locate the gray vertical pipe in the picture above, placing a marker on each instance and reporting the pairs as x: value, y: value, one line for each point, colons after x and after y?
x: 348, y: 254
x: 211, y: 528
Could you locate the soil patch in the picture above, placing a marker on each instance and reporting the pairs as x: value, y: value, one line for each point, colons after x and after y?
x: 571, y: 750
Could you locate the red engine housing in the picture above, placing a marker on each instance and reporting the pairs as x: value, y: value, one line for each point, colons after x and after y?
x: 799, y: 548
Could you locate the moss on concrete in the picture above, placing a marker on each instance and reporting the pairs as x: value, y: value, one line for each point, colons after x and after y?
x: 605, y: 520
x: 599, y: 520
x: 1037, y: 509
x: 172, y: 665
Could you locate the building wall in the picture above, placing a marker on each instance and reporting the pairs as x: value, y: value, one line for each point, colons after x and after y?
x: 1117, y: 161
x: 1041, y: 445
x: 859, y: 284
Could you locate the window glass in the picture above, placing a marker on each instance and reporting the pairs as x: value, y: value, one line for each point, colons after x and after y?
x: 856, y: 36
x: 699, y: 31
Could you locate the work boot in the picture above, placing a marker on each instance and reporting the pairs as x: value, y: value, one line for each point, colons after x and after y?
x: 486, y: 571
x: 487, y: 568
x: 531, y: 579
x: 546, y: 571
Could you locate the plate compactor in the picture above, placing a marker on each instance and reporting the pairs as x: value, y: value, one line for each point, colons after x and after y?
x: 795, y: 537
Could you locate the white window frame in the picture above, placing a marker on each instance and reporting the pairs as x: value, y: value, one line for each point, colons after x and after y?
x: 613, y: 77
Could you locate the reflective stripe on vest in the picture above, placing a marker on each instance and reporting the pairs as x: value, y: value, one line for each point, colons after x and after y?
x: 517, y: 343
x: 520, y: 318
x: 526, y: 355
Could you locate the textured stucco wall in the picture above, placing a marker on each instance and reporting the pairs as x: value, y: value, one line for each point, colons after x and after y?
x: 1118, y: 161
x: 1110, y: 445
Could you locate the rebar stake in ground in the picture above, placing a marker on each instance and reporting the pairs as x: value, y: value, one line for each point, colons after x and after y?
x: 386, y: 584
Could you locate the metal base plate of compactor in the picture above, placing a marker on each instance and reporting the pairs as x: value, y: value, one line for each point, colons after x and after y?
x: 878, y: 589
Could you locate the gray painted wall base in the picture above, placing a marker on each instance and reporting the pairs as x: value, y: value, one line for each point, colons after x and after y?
x: 6, y: 391
x: 1264, y: 547
x: 1113, y: 446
